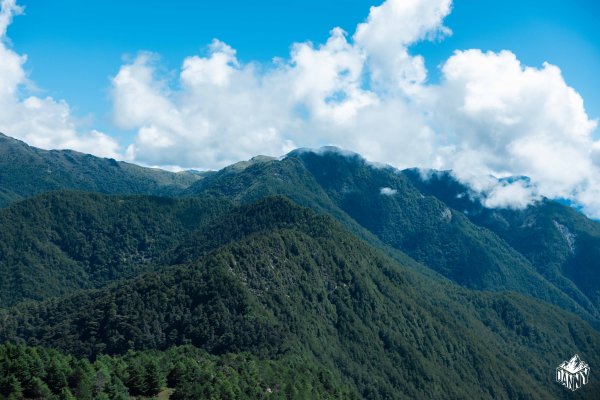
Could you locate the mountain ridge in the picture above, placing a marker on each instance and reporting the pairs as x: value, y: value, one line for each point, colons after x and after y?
x: 349, y: 188
x: 441, y: 232
x: 560, y: 242
x: 27, y: 171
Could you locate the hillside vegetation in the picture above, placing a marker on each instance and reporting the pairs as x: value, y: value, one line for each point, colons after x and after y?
x: 559, y: 242
x: 59, y: 242
x: 317, y: 275
x: 182, y: 373
x: 301, y: 285
x: 26, y: 171
x: 420, y: 226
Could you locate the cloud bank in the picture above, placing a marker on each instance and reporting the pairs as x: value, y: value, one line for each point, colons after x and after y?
x: 490, y: 115
x: 363, y: 92
x: 42, y: 122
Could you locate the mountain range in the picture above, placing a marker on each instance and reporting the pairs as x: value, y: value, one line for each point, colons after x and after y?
x: 26, y: 171
x: 382, y: 283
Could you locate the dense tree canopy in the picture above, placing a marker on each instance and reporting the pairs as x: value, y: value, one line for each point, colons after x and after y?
x: 294, y: 283
x: 185, y: 373
x: 63, y: 241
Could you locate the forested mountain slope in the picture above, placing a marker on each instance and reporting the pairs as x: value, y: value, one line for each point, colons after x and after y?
x: 243, y: 279
x: 26, y: 171
x: 386, y: 204
x: 560, y: 242
x: 481, y: 248
x: 300, y: 284
x: 58, y: 242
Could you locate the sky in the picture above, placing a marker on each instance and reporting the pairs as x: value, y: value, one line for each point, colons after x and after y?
x: 485, y: 88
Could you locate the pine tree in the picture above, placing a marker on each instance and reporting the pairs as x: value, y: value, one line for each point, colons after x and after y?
x: 10, y: 386
x: 117, y: 390
x: 136, y: 378
x: 65, y: 394
x: 82, y: 380
x: 154, y: 378
x: 57, y: 373
x: 37, y: 389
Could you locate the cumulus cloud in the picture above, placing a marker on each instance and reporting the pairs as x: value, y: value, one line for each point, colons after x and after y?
x: 503, y: 119
x: 387, y: 33
x: 42, y: 122
x: 490, y: 116
x: 344, y: 92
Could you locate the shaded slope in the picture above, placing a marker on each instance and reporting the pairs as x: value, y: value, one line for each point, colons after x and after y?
x: 247, y: 182
x: 301, y: 284
x: 422, y: 226
x: 561, y: 243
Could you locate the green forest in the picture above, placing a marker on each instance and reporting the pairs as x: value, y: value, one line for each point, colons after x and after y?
x: 181, y: 373
x: 276, y: 280
x: 289, y: 279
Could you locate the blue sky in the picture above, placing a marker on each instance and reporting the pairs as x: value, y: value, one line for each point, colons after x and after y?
x: 484, y: 88
x: 73, y: 46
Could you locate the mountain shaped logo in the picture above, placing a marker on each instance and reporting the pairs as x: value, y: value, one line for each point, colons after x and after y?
x: 573, y: 373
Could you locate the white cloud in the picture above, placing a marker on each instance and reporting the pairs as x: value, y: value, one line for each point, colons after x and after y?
x: 220, y: 110
x: 489, y: 116
x: 328, y: 79
x: 505, y: 119
x: 387, y: 33
x: 41, y: 122
x: 8, y: 9
x: 223, y: 112
x: 503, y: 194
x: 215, y: 70
x: 386, y: 191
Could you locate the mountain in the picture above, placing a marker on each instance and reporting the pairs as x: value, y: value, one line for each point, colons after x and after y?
x: 559, y: 242
x: 294, y: 283
x: 58, y: 242
x: 464, y: 242
x: 386, y: 208
x: 368, y: 281
x: 26, y: 171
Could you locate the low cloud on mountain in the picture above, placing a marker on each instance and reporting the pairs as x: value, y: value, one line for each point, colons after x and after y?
x: 490, y: 115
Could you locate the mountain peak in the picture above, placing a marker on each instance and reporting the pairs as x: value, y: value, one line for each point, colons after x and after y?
x: 324, y: 150
x: 575, y: 364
